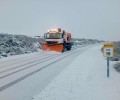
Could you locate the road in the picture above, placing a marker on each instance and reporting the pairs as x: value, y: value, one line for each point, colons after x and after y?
x: 84, y: 79
x: 22, y: 77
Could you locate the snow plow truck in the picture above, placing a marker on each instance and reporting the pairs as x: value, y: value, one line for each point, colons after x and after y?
x: 57, y: 40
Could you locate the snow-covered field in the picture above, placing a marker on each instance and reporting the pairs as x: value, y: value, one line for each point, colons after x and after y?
x: 78, y: 74
x: 84, y: 79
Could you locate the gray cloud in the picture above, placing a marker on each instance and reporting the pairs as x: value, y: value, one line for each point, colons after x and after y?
x: 83, y: 18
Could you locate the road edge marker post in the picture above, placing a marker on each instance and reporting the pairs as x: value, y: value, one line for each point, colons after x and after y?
x: 108, y: 70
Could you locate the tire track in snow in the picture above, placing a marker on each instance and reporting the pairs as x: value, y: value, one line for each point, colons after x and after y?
x: 25, y: 64
x: 34, y: 72
x: 17, y: 61
x: 27, y: 67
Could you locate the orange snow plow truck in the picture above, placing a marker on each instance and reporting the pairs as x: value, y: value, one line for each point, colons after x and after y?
x: 57, y: 40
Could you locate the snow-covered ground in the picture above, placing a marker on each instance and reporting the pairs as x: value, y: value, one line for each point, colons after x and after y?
x: 84, y: 79
x: 24, y: 76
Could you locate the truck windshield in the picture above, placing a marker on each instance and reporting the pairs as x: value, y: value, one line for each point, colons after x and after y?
x: 53, y: 35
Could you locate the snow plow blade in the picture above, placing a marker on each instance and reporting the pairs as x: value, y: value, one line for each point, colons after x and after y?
x: 55, y: 47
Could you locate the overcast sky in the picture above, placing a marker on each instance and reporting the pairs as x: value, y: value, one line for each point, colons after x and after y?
x: 96, y: 19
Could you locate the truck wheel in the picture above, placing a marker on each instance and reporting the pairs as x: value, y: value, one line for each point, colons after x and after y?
x: 64, y: 49
x: 68, y: 48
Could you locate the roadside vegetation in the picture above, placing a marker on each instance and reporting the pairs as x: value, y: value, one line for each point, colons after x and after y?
x: 117, y: 54
x: 16, y: 44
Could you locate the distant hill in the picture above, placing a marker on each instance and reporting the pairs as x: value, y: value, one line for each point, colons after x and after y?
x: 78, y: 41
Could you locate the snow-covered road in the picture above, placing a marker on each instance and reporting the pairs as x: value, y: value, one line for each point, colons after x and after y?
x: 22, y: 77
x: 84, y: 79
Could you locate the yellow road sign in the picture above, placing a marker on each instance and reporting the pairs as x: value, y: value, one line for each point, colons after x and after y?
x: 108, y: 50
x: 108, y: 46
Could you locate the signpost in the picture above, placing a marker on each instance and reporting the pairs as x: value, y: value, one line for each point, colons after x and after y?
x: 108, y: 51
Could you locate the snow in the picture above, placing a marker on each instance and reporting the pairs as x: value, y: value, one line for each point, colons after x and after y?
x: 84, y: 79
x: 29, y: 84
x: 51, y: 52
